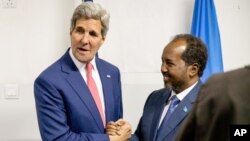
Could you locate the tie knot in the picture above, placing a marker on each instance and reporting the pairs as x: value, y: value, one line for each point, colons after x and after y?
x: 89, y: 68
x: 174, y: 100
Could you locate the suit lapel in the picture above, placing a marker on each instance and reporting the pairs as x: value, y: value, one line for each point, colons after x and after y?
x: 180, y: 112
x: 76, y: 81
x: 178, y: 115
x: 157, y: 114
x: 106, y: 79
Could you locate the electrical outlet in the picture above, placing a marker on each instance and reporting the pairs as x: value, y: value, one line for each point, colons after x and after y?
x: 9, y: 3
x: 11, y: 91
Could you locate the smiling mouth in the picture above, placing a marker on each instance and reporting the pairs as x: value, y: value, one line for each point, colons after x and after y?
x: 166, y: 77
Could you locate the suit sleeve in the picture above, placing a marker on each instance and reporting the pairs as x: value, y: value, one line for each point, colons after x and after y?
x: 119, y: 91
x: 138, y: 135
x: 52, y: 117
x: 134, y: 138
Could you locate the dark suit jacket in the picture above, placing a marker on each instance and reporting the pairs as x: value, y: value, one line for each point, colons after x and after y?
x: 147, y: 127
x: 65, y: 107
x: 223, y: 100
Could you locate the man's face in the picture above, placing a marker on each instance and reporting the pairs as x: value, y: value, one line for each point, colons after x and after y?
x: 173, y: 68
x: 86, y: 39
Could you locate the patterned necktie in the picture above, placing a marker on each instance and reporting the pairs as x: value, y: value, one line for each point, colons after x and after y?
x: 93, y: 89
x: 174, y: 103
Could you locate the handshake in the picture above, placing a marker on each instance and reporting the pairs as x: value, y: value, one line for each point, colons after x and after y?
x: 120, y: 130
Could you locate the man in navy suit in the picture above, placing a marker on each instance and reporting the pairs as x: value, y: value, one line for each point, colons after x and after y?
x: 66, y: 109
x: 183, y: 62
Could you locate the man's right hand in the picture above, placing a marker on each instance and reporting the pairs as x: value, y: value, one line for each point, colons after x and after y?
x: 120, y: 130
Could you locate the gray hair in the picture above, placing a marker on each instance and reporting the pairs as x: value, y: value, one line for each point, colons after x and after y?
x: 91, y: 10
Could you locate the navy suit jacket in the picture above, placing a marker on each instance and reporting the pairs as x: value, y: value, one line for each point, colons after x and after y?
x: 65, y: 107
x: 148, y: 125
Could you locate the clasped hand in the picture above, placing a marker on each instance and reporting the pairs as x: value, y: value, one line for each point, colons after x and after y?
x: 120, y: 130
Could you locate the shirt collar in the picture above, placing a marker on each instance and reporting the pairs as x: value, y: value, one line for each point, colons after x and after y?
x: 182, y: 94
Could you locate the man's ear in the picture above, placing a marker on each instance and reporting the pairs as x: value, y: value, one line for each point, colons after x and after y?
x: 103, y: 38
x: 71, y: 30
x: 193, y: 69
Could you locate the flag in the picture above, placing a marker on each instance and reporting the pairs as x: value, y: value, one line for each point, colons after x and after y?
x: 205, y: 27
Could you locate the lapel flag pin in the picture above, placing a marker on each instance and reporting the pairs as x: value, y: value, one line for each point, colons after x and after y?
x: 185, y: 109
x: 108, y: 76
